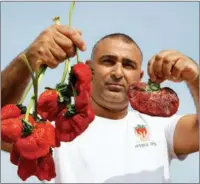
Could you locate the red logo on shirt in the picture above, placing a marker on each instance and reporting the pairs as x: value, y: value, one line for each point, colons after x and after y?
x: 142, y: 132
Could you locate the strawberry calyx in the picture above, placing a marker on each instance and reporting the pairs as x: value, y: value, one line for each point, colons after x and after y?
x: 65, y: 92
x: 27, y: 128
x: 72, y: 77
x: 152, y: 87
x: 22, y: 108
x: 71, y: 111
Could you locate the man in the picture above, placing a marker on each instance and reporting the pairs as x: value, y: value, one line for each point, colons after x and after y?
x: 110, y: 149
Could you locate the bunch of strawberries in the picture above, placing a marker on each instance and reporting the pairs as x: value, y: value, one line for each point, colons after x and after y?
x: 33, y: 136
x: 59, y: 115
x: 56, y: 104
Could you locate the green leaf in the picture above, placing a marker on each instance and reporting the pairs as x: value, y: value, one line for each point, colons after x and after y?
x: 71, y: 111
x: 27, y: 128
x: 151, y: 87
x: 22, y: 108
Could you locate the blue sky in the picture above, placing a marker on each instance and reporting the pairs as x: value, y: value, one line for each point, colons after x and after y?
x: 155, y: 26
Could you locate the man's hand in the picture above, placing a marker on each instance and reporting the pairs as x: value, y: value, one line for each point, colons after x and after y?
x: 54, y: 45
x: 175, y: 66
x: 172, y: 65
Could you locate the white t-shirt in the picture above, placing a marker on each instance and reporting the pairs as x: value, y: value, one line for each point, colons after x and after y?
x: 119, y: 151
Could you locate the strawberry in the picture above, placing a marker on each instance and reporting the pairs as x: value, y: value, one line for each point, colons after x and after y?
x: 79, y: 86
x: 14, y: 155
x: 34, y: 145
x: 11, y: 130
x: 152, y: 100
x: 46, y: 168
x: 48, y: 106
x: 64, y: 129
x: 81, y: 100
x: 140, y: 129
x: 10, y: 111
x: 26, y: 168
x: 82, y: 72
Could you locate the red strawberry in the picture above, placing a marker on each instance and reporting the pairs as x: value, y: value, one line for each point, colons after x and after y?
x: 79, y: 86
x: 64, y: 129
x: 82, y: 120
x: 14, y: 155
x: 49, y: 133
x: 10, y: 111
x: 81, y: 100
x: 48, y: 106
x: 46, y: 168
x: 11, y: 130
x: 82, y: 72
x: 152, y: 100
x: 35, y: 145
x: 140, y: 129
x: 26, y: 168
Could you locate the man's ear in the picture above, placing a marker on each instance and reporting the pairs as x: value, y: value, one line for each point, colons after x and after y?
x: 141, y: 74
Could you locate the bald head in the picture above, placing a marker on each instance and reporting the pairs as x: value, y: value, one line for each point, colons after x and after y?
x: 121, y: 36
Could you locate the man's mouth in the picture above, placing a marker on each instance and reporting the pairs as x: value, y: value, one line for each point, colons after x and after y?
x: 115, y: 87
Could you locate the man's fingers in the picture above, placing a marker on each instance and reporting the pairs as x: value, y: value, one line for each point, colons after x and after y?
x: 177, y: 69
x: 65, y: 43
x: 57, y: 52
x: 157, y: 66
x: 150, y: 70
x: 73, y: 36
x: 168, y: 63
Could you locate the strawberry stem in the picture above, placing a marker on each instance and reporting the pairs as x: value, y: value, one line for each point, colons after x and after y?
x: 24, y: 58
x: 29, y: 86
x: 25, y: 93
x: 66, y: 67
x: 36, y: 94
x: 29, y: 108
x: 152, y: 86
x: 35, y: 87
x: 70, y: 23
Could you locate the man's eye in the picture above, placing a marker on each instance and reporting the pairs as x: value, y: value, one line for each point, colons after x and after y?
x: 108, y: 62
x: 130, y: 66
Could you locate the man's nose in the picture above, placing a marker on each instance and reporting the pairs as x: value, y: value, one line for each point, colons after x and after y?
x: 117, y: 72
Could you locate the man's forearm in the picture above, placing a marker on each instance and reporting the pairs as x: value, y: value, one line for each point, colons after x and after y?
x: 194, y: 89
x: 14, y: 79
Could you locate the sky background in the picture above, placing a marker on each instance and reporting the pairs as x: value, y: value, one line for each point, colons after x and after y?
x: 155, y: 26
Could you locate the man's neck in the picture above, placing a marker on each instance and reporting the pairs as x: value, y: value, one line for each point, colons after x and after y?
x: 109, y: 113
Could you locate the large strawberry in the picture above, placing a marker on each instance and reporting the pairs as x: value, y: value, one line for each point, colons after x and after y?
x: 37, y: 143
x: 71, y: 122
x: 43, y: 167
x: 12, y: 111
x: 12, y: 129
x: 80, y: 77
x: 52, y: 101
x: 46, y: 167
x: 153, y: 100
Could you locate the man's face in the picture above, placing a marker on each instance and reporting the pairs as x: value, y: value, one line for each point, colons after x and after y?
x: 116, y: 65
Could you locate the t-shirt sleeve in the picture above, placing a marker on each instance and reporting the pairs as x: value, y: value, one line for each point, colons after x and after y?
x: 170, y: 127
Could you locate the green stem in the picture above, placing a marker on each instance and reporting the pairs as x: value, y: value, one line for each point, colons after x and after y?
x: 29, y: 108
x: 70, y: 24
x: 24, y: 58
x: 25, y: 93
x: 32, y: 101
x: 36, y: 94
x: 57, y: 21
x: 65, y: 72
